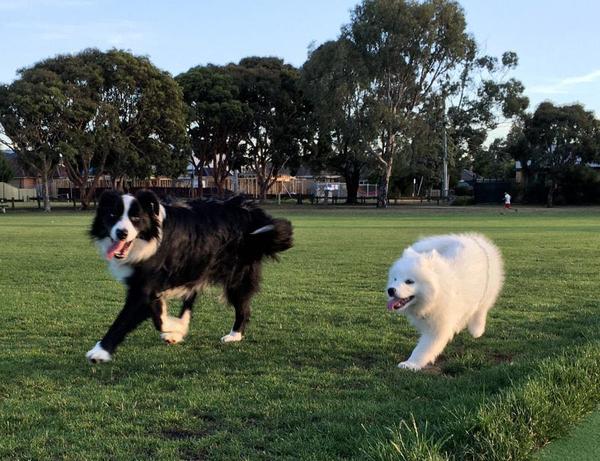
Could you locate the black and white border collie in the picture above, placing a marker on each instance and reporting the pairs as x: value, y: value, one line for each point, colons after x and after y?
x: 161, y: 251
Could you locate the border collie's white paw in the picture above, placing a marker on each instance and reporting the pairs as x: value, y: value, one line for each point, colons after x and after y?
x: 172, y: 337
x: 409, y: 366
x: 174, y: 329
x: 232, y: 337
x: 98, y: 354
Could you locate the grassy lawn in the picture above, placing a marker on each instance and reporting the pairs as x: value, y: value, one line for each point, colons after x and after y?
x: 316, y: 376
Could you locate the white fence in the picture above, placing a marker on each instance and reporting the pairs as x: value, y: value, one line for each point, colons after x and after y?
x: 8, y: 192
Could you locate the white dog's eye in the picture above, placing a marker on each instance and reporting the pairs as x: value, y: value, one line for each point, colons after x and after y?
x: 409, y: 281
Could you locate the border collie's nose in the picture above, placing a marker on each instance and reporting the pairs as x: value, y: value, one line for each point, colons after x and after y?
x: 121, y: 234
x: 392, y: 291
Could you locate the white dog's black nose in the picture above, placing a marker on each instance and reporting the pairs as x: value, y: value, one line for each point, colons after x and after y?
x: 392, y: 291
x: 121, y: 234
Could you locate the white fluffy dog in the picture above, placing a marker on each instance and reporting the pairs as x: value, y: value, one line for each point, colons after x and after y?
x: 443, y: 284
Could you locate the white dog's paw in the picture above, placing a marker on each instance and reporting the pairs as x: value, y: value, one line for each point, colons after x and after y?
x: 232, y: 337
x: 172, y: 337
x: 477, y: 332
x: 98, y: 354
x: 409, y: 366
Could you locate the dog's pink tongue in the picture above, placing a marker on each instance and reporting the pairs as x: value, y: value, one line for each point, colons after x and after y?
x: 115, y: 248
x: 390, y: 305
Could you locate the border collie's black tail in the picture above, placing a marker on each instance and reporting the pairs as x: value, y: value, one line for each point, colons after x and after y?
x: 272, y: 238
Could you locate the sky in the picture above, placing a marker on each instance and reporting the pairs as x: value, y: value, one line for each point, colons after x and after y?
x: 557, y: 41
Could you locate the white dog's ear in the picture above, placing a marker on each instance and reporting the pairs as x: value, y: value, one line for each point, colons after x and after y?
x: 409, y: 253
x: 430, y: 257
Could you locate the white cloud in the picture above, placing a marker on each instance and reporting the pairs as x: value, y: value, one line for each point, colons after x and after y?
x: 562, y: 86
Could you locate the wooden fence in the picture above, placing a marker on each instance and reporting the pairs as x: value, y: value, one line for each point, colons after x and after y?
x: 8, y: 192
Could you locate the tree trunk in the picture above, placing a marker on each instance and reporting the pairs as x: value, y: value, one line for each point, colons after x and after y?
x: 387, y: 160
x: 199, y: 188
x: 83, y: 197
x: 118, y: 183
x: 550, y: 199
x: 91, y: 192
x: 352, y: 177
x: 384, y: 184
x: 263, y: 188
x: 46, y: 192
x: 220, y: 188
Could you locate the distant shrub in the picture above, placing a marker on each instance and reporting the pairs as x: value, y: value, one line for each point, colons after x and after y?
x: 579, y: 185
x: 463, y: 189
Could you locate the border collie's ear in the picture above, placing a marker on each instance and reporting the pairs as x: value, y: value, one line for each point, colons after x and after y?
x: 148, y: 201
x: 108, y: 197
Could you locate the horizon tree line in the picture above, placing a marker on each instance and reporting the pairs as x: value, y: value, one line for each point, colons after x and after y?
x: 379, y: 101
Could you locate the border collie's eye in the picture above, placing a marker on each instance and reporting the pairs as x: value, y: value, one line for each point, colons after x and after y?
x: 112, y: 215
x: 134, y: 219
x: 409, y: 281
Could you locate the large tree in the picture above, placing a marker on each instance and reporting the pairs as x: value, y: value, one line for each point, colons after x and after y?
x: 82, y: 121
x: 408, y: 48
x: 454, y: 120
x: 494, y: 161
x: 216, y: 121
x: 31, y: 111
x: 561, y: 137
x: 333, y: 80
x: 146, y: 117
x: 104, y: 112
x: 277, y: 132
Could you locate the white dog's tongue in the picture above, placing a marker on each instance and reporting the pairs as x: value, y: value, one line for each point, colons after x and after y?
x: 115, y: 248
x: 391, y: 303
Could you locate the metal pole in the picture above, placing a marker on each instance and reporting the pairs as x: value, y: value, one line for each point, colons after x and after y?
x: 445, y: 178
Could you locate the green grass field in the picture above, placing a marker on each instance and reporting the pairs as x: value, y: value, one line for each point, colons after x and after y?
x: 316, y: 376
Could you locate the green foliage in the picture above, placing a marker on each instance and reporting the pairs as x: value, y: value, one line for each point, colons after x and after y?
x: 402, y: 74
x: 31, y: 115
x: 408, y: 49
x: 494, y: 161
x: 555, y: 138
x: 553, y: 146
x: 561, y: 136
x: 104, y: 112
x: 463, y: 189
x: 217, y: 120
x: 148, y: 124
x: 579, y: 185
x: 278, y: 128
x: 80, y: 127
x: 332, y: 79
x: 6, y: 172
